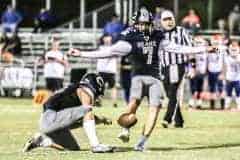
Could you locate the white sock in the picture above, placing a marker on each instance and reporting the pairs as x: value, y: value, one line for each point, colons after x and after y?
x: 199, y: 102
x: 46, y: 141
x: 238, y: 102
x: 126, y: 130
x: 192, y: 102
x: 90, y: 129
x: 227, y: 102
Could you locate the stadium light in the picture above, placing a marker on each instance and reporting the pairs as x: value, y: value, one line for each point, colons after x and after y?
x: 14, y: 3
x: 125, y: 10
x: 176, y: 7
x: 48, y: 4
x: 130, y: 8
x: 82, y: 13
x: 118, y: 7
x: 136, y: 5
x: 210, y: 11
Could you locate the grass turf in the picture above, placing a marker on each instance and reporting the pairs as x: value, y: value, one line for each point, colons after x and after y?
x: 212, y: 135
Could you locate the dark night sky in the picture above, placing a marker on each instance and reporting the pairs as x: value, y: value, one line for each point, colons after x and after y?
x: 71, y: 9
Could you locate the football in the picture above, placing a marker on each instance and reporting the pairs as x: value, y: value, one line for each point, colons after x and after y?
x: 127, y: 120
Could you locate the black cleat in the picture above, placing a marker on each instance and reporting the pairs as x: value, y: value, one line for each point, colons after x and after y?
x: 178, y: 125
x: 165, y: 124
x: 198, y: 107
x: 115, y: 105
x: 124, y: 136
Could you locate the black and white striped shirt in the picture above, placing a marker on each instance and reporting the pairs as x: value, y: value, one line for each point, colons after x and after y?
x: 179, y: 36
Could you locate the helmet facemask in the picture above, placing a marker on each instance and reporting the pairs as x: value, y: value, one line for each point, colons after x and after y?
x: 144, y: 27
x: 142, y: 21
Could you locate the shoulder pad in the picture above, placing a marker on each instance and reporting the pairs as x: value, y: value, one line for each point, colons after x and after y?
x: 130, y: 34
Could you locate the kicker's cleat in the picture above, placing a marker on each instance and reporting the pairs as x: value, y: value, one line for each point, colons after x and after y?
x: 102, y: 148
x: 124, y: 136
x: 139, y: 147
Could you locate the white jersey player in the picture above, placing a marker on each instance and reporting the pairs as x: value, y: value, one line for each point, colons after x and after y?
x: 215, y: 68
x: 198, y: 70
x: 232, y: 73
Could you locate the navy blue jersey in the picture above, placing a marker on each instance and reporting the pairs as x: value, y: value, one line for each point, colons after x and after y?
x: 67, y: 97
x: 64, y: 98
x: 144, y: 54
x: 125, y: 63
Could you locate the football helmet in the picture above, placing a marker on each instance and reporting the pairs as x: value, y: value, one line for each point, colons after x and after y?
x: 142, y: 20
x: 95, y: 83
x: 167, y: 20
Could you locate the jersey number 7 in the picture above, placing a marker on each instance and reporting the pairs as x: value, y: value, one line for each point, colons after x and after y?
x: 149, y: 51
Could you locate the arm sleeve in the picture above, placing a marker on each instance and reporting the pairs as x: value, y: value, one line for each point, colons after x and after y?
x: 188, y: 38
x: 180, y: 49
x: 121, y: 48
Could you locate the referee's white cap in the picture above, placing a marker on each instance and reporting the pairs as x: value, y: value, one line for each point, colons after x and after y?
x: 167, y: 14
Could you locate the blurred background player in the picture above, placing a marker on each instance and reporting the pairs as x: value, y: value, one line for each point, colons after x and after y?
x: 10, y: 19
x: 13, y: 44
x: 63, y: 110
x: 113, y: 27
x: 44, y: 21
x: 215, y: 71
x: 126, y: 76
x: 107, y: 68
x: 55, y: 62
x: 234, y: 20
x: 157, y: 17
x: 197, y: 73
x: 232, y: 74
x: 192, y: 21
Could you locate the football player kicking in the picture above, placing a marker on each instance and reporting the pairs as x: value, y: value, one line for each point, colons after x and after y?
x: 65, y: 110
x: 142, y: 43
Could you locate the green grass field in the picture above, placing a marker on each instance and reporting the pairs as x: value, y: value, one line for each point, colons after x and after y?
x: 207, y: 135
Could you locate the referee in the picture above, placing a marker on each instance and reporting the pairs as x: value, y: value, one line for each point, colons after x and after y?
x: 173, y: 67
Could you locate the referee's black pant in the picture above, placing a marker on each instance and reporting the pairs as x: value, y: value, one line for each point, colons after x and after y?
x: 171, y: 89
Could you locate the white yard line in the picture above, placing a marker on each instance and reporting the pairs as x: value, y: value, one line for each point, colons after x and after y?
x: 18, y: 110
